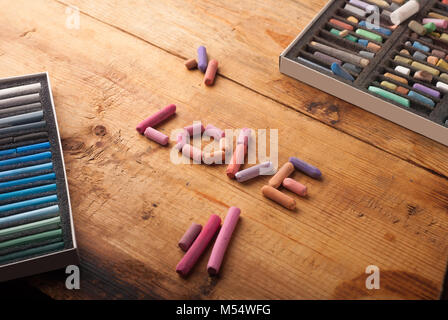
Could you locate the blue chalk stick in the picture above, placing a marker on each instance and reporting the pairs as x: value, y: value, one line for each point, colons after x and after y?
x: 32, y: 157
x: 339, y: 71
x: 420, y: 46
x: 363, y: 42
x: 27, y: 192
x: 27, y: 203
x: 370, y: 26
x: 15, y: 172
x: 29, y: 216
x: 421, y: 98
x: 33, y: 147
x: 19, y: 182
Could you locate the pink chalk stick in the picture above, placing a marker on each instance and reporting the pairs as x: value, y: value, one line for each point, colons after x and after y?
x: 199, y: 245
x: 190, y: 235
x: 222, y: 241
x: 195, y: 129
x: 212, y: 131
x: 236, y: 161
x: 244, y: 136
x: 440, y: 23
x: 156, y: 136
x: 192, y: 152
x: 295, y: 186
x: 156, y: 118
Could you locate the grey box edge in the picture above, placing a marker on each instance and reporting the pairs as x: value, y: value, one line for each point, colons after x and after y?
x: 54, y: 260
x: 359, y: 98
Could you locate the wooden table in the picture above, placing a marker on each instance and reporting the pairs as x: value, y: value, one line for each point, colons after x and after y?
x: 383, y: 200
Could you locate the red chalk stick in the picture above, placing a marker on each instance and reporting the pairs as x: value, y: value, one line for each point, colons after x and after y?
x: 190, y: 235
x: 220, y: 247
x: 236, y: 161
x: 156, y: 118
x: 199, y: 245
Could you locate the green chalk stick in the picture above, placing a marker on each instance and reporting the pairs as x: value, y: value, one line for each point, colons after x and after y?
x: 30, y: 226
x: 389, y: 95
x: 430, y: 27
x: 34, y: 237
x: 33, y: 251
x: 370, y: 35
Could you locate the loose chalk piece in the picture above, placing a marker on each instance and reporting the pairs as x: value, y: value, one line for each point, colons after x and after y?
x: 210, y: 73
x: 295, y: 186
x: 182, y: 139
x: 191, y: 64
x: 199, y: 245
x: 222, y: 241
x: 244, y: 137
x: 306, y: 168
x: 405, y: 11
x: 156, y: 136
x: 190, y: 235
x: 417, y: 28
x: 156, y: 118
x: 265, y: 168
x: 215, y: 157
x: 236, y: 161
x: 279, y: 197
x: 202, y: 59
x: 285, y: 171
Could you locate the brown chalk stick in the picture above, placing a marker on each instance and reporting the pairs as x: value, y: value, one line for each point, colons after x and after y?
x: 279, y: 197
x: 282, y: 174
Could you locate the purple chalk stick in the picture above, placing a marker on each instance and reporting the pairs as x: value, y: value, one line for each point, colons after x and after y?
x: 306, y: 168
x: 360, y: 4
x: 212, y: 131
x: 202, y: 59
x: 265, y: 168
x: 426, y: 90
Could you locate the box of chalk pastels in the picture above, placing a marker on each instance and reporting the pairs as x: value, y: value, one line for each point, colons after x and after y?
x: 36, y: 226
x: 388, y: 57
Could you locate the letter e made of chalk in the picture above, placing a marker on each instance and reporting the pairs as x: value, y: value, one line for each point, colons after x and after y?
x: 373, y: 280
x: 73, y: 280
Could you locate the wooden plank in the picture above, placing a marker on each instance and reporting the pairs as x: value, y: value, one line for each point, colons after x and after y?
x: 131, y: 204
x: 247, y: 37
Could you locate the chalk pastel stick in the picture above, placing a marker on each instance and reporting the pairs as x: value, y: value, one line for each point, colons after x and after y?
x: 19, y: 182
x: 21, y: 127
x: 265, y: 168
x: 15, y: 172
x: 27, y: 203
x: 20, y: 90
x: 306, y: 168
x: 18, y: 109
x: 30, y: 136
x: 199, y: 245
x: 52, y: 222
x: 29, y: 216
x: 156, y: 118
x: 32, y: 252
x: 27, y: 192
x: 20, y: 100
x: 222, y: 241
x: 30, y: 158
x: 33, y: 147
x: 190, y: 235
x: 340, y: 54
x: 22, y: 118
x: 202, y: 59
x: 47, y: 235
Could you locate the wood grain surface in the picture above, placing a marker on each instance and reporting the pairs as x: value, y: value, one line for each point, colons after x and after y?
x: 383, y: 199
